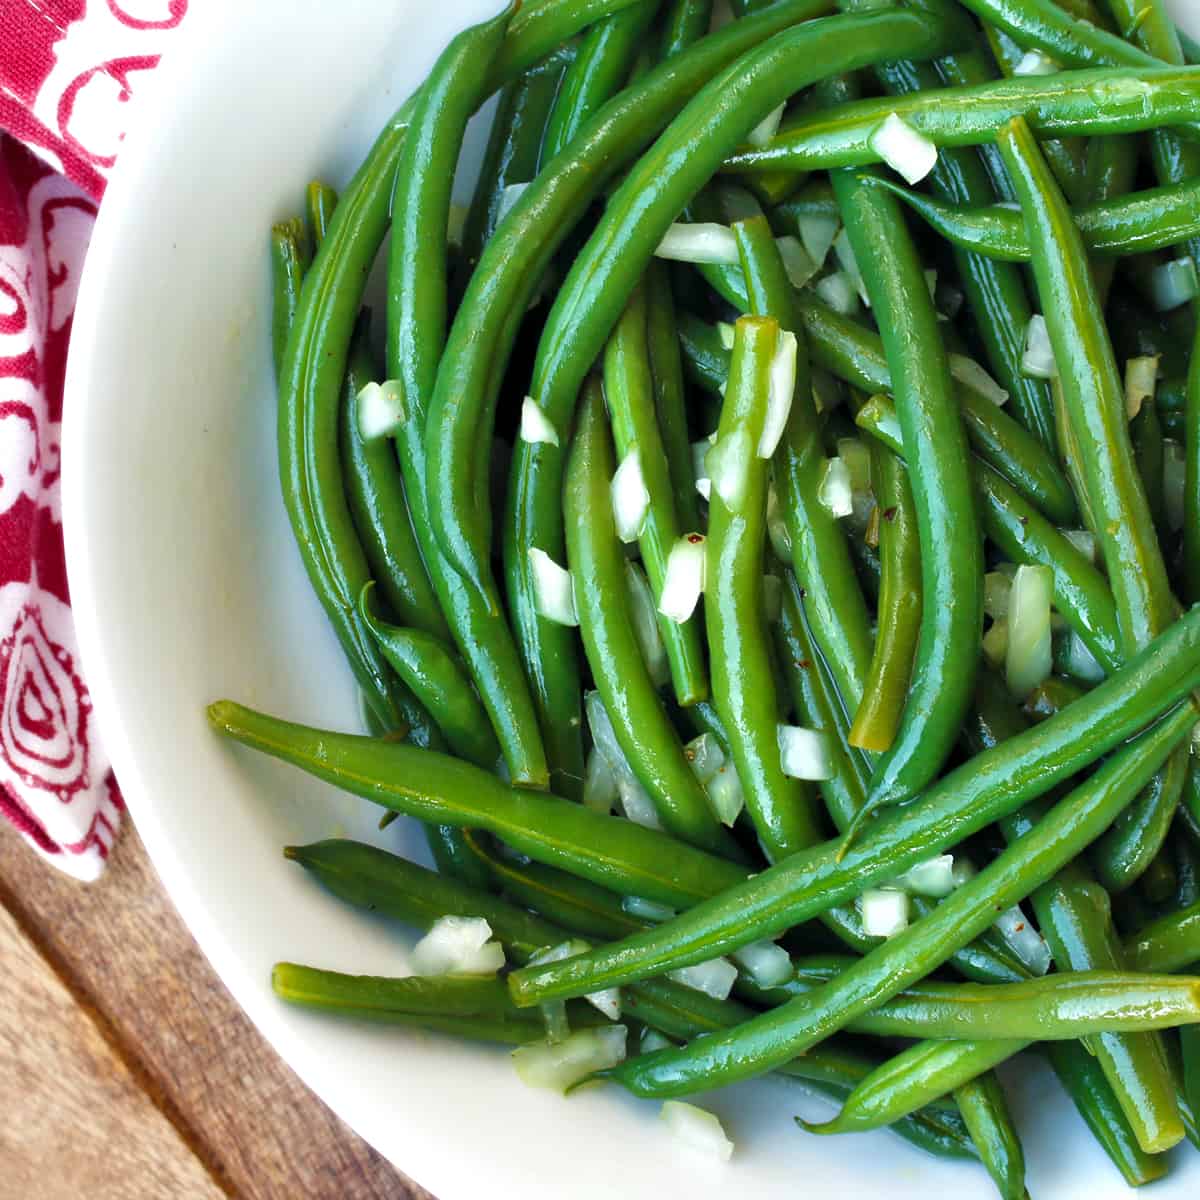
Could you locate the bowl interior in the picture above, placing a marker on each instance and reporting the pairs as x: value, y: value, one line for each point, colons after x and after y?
x: 188, y: 587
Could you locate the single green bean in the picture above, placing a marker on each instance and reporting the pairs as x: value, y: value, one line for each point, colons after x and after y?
x: 684, y: 22
x: 985, y: 1111
x: 1191, y: 491
x: 1168, y: 944
x: 288, y: 264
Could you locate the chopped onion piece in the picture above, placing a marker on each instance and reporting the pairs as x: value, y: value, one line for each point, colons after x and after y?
x: 704, y: 487
x: 772, y: 598
x: 777, y: 530
x: 767, y: 128
x: 645, y: 624
x: 714, y: 978
x: 607, y: 1001
x: 1028, y: 660
x: 1038, y: 359
x: 969, y: 373
x: 845, y: 255
x: 728, y: 464
x: 698, y: 1128
x: 637, y: 805
x: 1034, y: 62
x: 817, y: 232
x: 934, y: 878
x: 858, y: 462
x: 684, y: 580
x: 1084, y: 540
x: 1079, y: 662
x: 884, y: 912
x: 726, y: 796
x: 557, y: 953
x: 380, y: 409
x: 701, y: 242
x: 630, y: 498
x: 705, y: 756
x: 799, y: 266
x: 837, y: 290
x: 1174, y: 283
x: 554, y: 1016
x: 727, y: 333
x: 535, y: 425
x: 648, y: 910
x: 964, y: 869
x: 997, y: 587
x: 553, y: 594
x: 803, y: 753
x: 906, y: 151
x: 653, y: 1040
x: 1141, y: 380
x: 834, y: 492
x: 766, y: 963
x: 781, y: 388
x: 1174, y: 469
x: 599, y: 784
x: 458, y: 946
x: 566, y: 1063
x: 1025, y: 941
x: 995, y: 643
x: 508, y: 199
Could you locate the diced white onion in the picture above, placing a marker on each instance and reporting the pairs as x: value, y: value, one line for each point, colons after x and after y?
x: 1029, y: 659
x: 995, y: 643
x: 648, y: 910
x: 380, y: 409
x: 554, y: 1016
x: 817, y: 232
x: 553, y: 594
x: 969, y: 373
x: 907, y: 152
x: 777, y: 530
x: 772, y: 598
x: 701, y: 242
x: 858, y: 462
x: 1084, y: 540
x: 845, y: 255
x: 964, y: 870
x: 645, y: 624
x: 559, y: 952
x: 765, y: 962
x: 997, y: 588
x: 458, y: 946
x: 714, y: 978
x: 728, y: 464
x: 1034, y: 62
x: 599, y: 784
x: 781, y: 388
x: 799, y: 266
x: 837, y: 290
x: 535, y: 425
x: 803, y: 753
x: 834, y: 491
x: 1038, y: 359
x: 884, y: 912
x: 704, y: 487
x: 1174, y: 481
x: 1174, y: 283
x: 508, y: 199
x: 630, y: 497
x: 1079, y: 661
x: 456, y: 223
x: 1025, y: 941
x: 607, y: 1001
x: 684, y: 580
x: 563, y: 1064
x: 725, y: 795
x: 653, y: 1040
x: 934, y: 878
x: 1141, y: 380
x: 767, y: 128
x: 698, y: 1128
x: 635, y: 802
x: 726, y: 333
x: 637, y: 805
x: 705, y: 756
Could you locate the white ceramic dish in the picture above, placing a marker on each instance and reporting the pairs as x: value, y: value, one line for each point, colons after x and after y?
x: 187, y: 587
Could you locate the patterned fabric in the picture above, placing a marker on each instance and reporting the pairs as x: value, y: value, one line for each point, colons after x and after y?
x: 67, y: 71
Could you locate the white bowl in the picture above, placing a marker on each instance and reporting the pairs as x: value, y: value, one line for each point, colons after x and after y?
x: 187, y: 587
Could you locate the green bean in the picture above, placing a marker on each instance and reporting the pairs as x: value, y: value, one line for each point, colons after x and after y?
x: 288, y: 265
x: 539, y: 27
x: 1168, y: 944
x: 985, y: 1111
x: 639, y: 720
x: 967, y: 799
x: 629, y: 391
x: 935, y: 450
x: 1145, y: 433
x: 433, y: 787
x: 600, y: 70
x: 995, y: 294
x: 743, y: 686
x: 1143, y: 221
x: 878, y: 716
x: 1158, y: 881
x: 437, y: 678
x: 685, y: 22
x: 1191, y: 492
x: 1101, y: 101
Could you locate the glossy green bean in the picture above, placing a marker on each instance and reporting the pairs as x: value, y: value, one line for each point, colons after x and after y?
x: 878, y: 716
x: 594, y: 554
x: 288, y: 265
x: 433, y: 787
x: 985, y: 1111
x: 936, y: 453
x: 739, y: 650
x: 1168, y: 944
x: 539, y: 27
x: 630, y: 393
x: 1101, y: 101
x: 967, y: 799
x: 1191, y: 490
x: 684, y: 22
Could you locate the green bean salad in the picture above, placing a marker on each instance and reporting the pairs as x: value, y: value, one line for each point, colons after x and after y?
x: 765, y: 547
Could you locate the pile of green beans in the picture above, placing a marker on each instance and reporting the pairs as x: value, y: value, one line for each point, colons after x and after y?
x: 746, y: 551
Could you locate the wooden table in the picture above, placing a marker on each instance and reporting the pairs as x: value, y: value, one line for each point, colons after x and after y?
x: 126, y: 1070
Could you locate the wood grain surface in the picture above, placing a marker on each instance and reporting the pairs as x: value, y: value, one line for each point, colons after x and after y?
x: 131, y: 1072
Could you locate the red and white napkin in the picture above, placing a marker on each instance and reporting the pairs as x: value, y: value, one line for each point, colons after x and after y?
x: 68, y: 69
